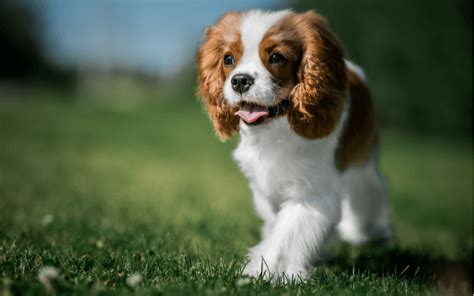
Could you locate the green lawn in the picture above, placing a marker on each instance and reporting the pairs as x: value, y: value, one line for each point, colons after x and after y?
x: 101, y: 193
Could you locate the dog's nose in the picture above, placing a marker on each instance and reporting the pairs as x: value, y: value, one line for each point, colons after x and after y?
x: 241, y: 82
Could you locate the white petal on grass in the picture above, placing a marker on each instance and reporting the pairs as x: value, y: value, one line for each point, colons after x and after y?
x: 46, y: 274
x: 134, y: 279
x: 47, y: 219
x: 243, y: 281
x: 99, y: 244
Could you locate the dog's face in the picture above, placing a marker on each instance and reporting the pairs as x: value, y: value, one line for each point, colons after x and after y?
x: 263, y: 72
x: 255, y: 66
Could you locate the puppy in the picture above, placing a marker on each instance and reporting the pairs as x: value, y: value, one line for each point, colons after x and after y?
x: 308, y: 139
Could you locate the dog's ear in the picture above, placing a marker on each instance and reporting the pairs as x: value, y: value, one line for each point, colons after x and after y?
x: 318, y: 97
x: 211, y: 80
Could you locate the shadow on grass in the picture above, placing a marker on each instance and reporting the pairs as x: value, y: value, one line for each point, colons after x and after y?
x: 452, y: 276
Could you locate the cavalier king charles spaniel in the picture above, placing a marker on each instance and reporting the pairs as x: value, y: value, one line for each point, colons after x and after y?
x: 308, y: 139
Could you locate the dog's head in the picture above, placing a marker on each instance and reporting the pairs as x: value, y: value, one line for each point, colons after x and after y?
x: 254, y: 66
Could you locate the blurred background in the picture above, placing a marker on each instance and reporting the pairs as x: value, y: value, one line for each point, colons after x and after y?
x: 417, y: 55
x: 105, y: 150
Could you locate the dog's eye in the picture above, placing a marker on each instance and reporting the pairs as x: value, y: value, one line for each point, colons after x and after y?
x: 228, y: 60
x: 277, y: 59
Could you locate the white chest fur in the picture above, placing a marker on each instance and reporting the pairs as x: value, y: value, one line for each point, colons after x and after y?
x: 281, y: 165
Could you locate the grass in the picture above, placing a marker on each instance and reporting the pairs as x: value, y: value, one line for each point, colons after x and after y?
x: 101, y: 193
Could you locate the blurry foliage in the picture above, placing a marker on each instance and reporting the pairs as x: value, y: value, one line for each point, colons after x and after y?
x: 19, y: 46
x: 417, y: 56
x: 21, y: 55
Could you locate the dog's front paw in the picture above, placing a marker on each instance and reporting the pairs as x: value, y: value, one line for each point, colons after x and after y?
x: 259, y: 268
x: 256, y: 268
x: 294, y: 274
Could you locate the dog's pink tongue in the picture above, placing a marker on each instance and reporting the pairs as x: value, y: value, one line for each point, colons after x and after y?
x: 251, y: 113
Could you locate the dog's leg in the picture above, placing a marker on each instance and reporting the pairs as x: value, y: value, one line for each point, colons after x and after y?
x: 365, y: 214
x: 296, y: 240
x: 265, y: 210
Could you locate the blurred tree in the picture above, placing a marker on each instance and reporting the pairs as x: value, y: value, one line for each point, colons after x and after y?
x: 20, y: 49
x: 417, y: 56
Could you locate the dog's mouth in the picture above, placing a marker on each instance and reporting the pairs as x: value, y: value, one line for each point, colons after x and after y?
x: 254, y: 114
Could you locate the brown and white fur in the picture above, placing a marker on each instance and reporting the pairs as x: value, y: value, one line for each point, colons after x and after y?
x: 312, y: 164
